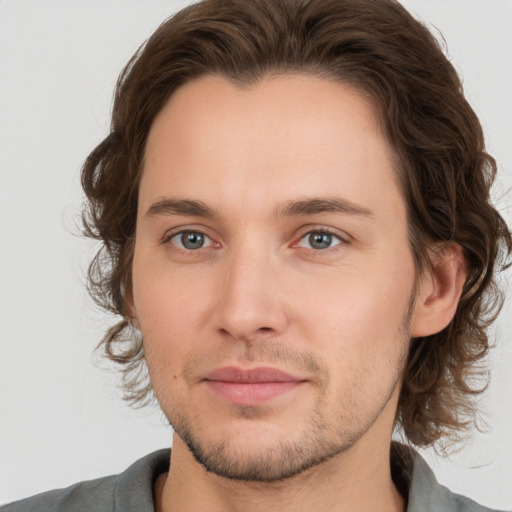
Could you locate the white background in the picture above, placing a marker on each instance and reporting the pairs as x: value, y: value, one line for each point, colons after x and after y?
x: 61, y: 417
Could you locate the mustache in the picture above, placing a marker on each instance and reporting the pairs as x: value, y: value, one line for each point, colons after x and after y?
x: 262, y: 352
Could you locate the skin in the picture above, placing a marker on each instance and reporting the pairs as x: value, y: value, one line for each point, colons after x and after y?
x: 268, y: 172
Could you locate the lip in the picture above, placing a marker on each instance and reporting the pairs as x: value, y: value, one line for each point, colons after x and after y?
x: 252, y: 386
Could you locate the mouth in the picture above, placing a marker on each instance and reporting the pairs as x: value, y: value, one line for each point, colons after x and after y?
x: 251, y: 387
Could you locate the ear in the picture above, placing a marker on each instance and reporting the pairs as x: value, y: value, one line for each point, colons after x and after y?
x: 135, y: 322
x: 440, y: 289
x: 129, y: 308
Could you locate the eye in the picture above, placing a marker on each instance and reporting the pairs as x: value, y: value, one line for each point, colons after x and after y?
x: 191, y: 240
x: 319, y: 240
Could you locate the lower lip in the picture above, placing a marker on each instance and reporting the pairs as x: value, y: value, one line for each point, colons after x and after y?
x: 253, y: 393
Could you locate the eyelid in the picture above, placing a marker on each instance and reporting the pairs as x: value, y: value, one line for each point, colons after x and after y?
x: 344, y: 238
x: 174, y: 232
x: 208, y: 242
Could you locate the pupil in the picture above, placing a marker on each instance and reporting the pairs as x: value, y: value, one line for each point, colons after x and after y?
x: 320, y: 240
x: 192, y: 240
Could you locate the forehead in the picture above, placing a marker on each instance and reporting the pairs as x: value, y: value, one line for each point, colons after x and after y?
x: 283, y: 137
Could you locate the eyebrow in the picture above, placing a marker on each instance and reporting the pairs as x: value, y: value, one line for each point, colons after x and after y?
x: 322, y: 205
x: 170, y: 206
x: 301, y: 207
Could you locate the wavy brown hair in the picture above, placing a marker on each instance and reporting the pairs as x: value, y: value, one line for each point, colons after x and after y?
x: 377, y: 47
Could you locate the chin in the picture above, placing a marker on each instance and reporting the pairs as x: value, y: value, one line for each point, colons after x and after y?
x: 260, y: 455
x: 269, y: 464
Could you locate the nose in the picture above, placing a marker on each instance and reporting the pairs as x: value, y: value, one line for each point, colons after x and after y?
x: 251, y: 304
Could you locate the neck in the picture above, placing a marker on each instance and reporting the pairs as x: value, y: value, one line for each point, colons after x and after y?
x: 359, y: 479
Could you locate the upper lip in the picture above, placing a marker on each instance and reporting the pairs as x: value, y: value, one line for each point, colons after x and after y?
x: 251, y: 375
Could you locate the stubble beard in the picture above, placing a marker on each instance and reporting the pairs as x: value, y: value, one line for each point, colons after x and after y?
x: 282, y: 460
x: 320, y: 441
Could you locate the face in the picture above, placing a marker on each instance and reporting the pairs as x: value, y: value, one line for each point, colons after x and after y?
x: 272, y: 274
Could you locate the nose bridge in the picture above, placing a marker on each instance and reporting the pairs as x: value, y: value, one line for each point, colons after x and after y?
x: 250, y: 303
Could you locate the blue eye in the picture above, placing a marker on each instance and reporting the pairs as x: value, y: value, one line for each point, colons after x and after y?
x: 191, y: 240
x: 319, y: 240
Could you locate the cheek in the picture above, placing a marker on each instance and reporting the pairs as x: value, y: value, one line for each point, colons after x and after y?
x: 164, y: 296
x: 166, y: 322
x: 358, y: 319
x: 359, y: 331
x: 173, y: 311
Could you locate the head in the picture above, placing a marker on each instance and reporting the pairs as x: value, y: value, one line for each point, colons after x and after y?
x: 375, y: 64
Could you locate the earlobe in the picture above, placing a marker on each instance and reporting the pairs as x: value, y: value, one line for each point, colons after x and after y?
x: 131, y: 318
x: 439, y: 290
x: 130, y: 311
x: 134, y: 322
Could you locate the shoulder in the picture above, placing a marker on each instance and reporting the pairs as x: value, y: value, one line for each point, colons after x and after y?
x: 130, y: 490
x: 82, y: 496
x: 426, y: 494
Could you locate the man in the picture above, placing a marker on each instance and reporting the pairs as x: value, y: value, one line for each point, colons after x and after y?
x: 294, y: 206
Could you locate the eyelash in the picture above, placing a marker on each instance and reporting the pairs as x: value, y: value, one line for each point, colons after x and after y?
x: 318, y: 231
x: 168, y: 239
x: 323, y: 231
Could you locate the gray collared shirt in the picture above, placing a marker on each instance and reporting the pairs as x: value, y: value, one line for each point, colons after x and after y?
x: 424, y: 492
x: 132, y: 490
